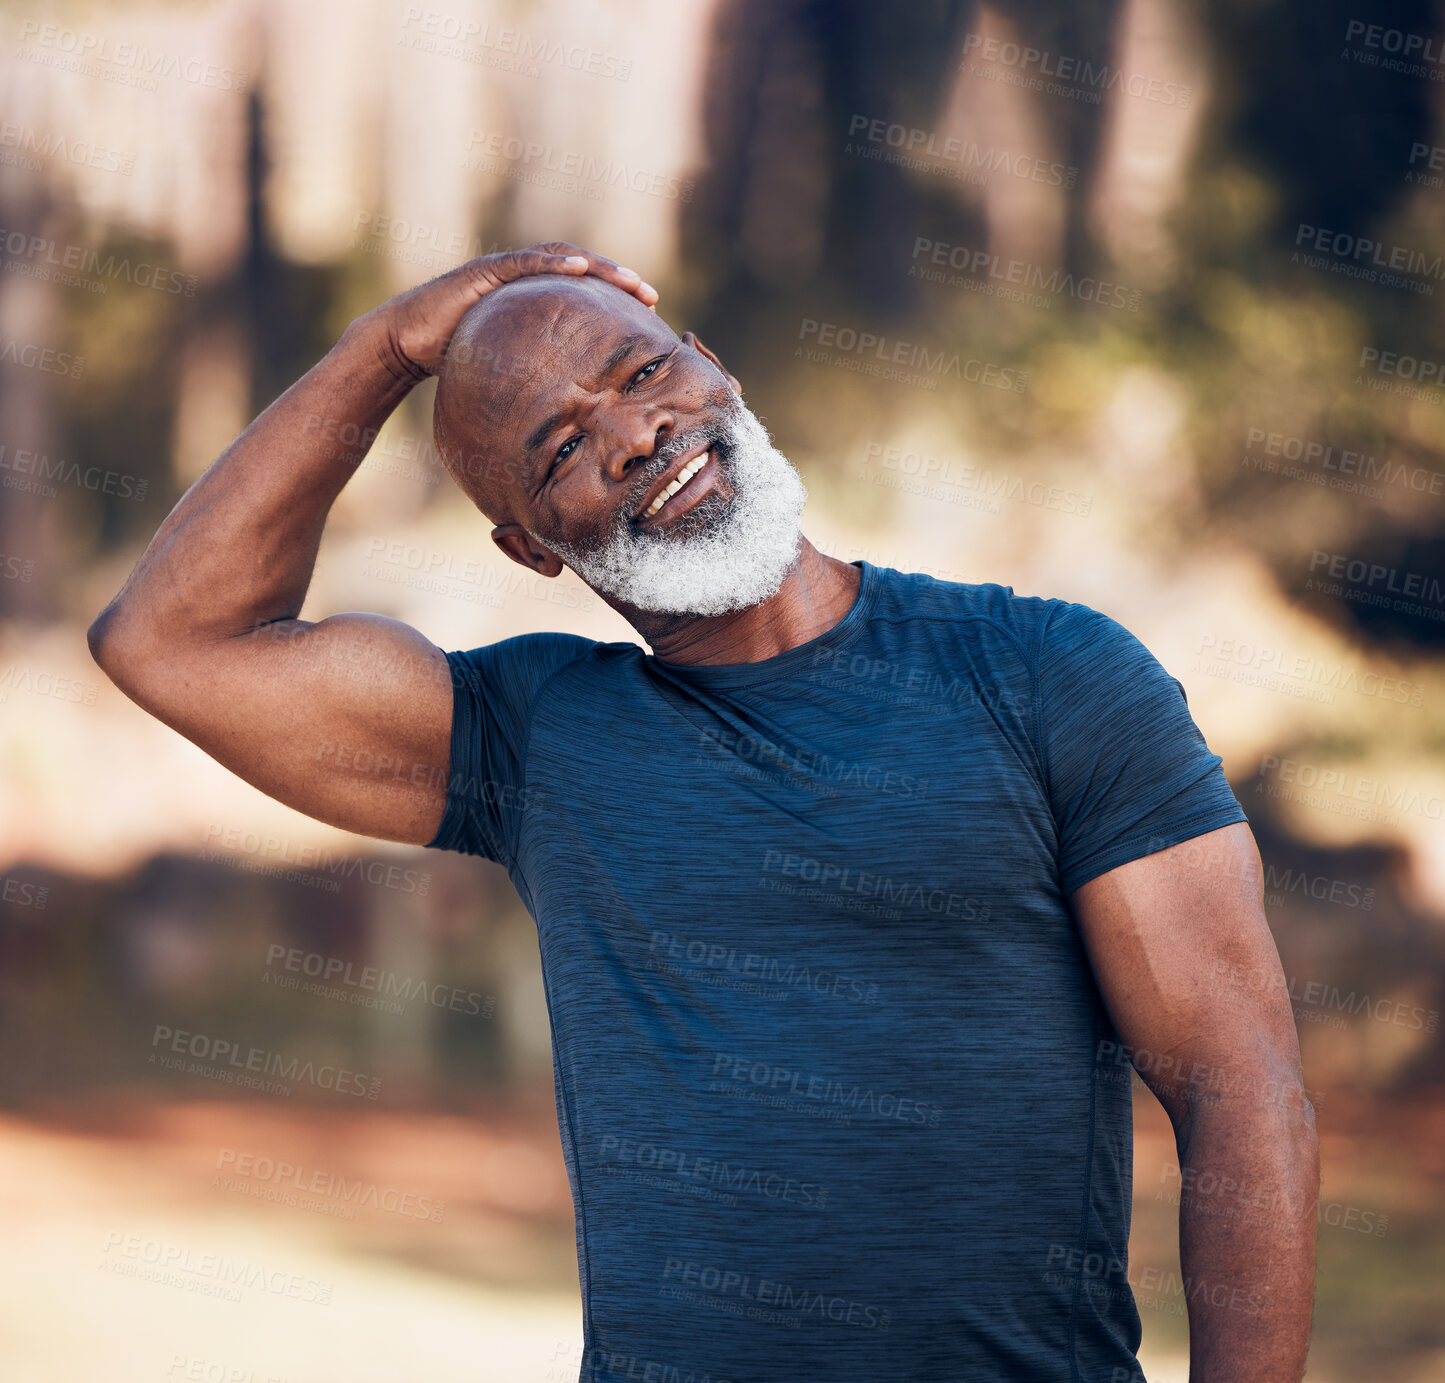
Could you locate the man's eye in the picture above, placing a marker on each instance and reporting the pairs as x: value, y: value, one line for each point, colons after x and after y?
x: 565, y: 450
x: 647, y: 370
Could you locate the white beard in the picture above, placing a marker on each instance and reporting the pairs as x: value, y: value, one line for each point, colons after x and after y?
x: 724, y: 554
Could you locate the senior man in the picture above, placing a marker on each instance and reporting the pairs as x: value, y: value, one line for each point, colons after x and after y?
x: 856, y: 896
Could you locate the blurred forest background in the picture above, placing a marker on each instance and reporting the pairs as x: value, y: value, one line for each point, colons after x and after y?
x: 1134, y: 302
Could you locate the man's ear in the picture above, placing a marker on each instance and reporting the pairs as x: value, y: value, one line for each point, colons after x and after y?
x: 689, y: 339
x: 522, y: 548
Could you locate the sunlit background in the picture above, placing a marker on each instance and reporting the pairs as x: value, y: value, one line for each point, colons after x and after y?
x: 1136, y: 304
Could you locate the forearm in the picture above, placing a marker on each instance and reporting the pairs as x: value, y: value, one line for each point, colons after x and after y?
x: 1247, y: 1221
x: 239, y: 548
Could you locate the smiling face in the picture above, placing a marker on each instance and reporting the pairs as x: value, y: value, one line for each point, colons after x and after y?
x: 579, y: 421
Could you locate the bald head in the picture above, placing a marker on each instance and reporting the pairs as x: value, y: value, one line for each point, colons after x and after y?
x: 521, y: 356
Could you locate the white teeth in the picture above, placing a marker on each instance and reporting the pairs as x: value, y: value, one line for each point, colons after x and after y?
x: 683, y: 476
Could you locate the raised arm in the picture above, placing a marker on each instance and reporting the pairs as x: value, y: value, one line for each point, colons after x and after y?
x: 348, y: 718
x: 1188, y: 969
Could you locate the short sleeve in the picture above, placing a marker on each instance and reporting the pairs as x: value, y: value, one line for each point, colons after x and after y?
x: 1127, y: 769
x: 493, y: 689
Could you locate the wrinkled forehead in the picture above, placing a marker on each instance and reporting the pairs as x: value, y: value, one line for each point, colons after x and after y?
x: 523, y: 346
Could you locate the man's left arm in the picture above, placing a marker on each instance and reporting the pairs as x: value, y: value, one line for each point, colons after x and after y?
x: 1189, y: 972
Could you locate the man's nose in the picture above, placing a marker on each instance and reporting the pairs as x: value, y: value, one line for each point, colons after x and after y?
x: 635, y: 441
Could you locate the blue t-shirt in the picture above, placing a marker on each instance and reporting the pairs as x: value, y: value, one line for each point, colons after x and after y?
x: 831, y: 1066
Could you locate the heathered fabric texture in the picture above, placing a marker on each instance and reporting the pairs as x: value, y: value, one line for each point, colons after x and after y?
x: 829, y: 1056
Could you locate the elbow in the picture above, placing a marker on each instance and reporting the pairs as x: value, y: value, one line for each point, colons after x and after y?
x: 97, y: 636
x: 1264, y: 1090
x: 101, y: 637
x: 1292, y: 1144
x: 113, y: 645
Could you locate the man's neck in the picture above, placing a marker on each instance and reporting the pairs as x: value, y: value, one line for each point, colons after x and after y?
x: 815, y: 595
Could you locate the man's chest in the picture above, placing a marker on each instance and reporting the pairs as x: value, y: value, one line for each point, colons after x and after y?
x: 870, y: 819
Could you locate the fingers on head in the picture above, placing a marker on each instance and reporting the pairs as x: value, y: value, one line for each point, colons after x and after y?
x: 552, y: 257
x: 597, y: 264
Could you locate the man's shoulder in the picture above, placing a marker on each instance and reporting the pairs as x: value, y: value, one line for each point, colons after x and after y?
x: 1042, y: 628
x: 520, y: 663
x: 925, y: 594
